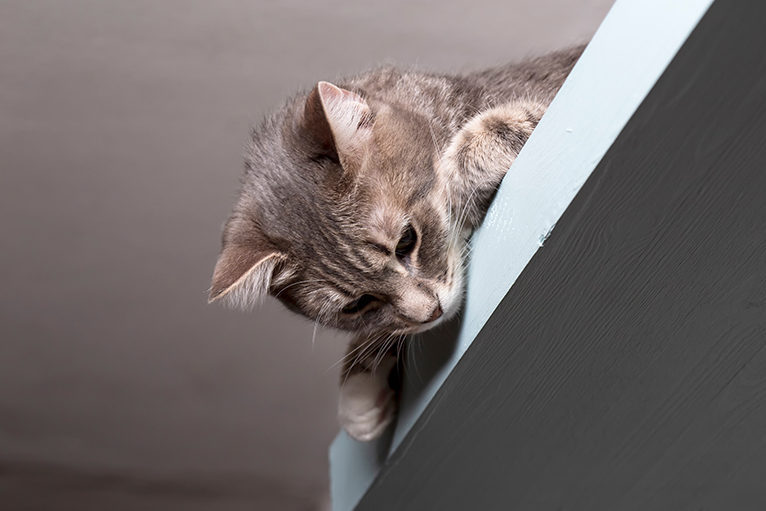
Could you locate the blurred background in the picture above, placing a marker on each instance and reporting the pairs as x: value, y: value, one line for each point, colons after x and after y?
x: 122, y: 125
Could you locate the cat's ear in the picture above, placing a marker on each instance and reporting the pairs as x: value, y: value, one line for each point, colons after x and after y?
x: 243, y: 274
x: 340, y: 120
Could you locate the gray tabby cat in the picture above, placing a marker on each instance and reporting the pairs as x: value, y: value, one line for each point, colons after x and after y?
x: 358, y: 200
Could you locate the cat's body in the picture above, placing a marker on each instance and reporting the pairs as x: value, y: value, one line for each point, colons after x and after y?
x: 358, y: 199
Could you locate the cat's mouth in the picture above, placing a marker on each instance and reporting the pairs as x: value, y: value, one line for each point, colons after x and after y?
x: 422, y: 327
x: 416, y: 328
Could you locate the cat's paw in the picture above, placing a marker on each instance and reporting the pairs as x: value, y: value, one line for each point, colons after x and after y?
x: 367, y: 402
x: 480, y: 154
x: 488, y: 144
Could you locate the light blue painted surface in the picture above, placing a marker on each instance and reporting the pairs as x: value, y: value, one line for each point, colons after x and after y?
x: 629, y: 52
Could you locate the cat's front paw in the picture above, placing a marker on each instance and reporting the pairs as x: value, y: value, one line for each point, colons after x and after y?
x: 367, y: 402
x: 482, y: 152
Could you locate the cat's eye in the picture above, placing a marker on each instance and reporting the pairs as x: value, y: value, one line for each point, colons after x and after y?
x: 406, y: 243
x: 361, y: 304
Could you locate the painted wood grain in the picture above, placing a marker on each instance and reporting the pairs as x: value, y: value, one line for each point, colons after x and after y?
x: 626, y: 367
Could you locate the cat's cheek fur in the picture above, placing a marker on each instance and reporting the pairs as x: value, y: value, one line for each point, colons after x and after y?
x: 451, y: 296
x: 367, y: 403
x: 451, y: 292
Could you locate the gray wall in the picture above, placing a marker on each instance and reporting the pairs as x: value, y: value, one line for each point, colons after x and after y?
x: 122, y: 126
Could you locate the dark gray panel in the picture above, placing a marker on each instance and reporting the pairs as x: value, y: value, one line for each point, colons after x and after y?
x: 626, y: 368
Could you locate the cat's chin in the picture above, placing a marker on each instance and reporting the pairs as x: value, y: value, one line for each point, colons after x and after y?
x: 426, y: 326
x: 448, y: 314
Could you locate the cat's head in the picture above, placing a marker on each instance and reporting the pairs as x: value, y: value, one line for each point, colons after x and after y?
x: 343, y: 217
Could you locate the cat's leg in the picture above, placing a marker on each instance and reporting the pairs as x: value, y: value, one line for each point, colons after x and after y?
x: 368, y: 400
x: 481, y: 153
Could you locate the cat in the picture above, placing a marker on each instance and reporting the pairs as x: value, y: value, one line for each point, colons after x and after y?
x: 358, y: 200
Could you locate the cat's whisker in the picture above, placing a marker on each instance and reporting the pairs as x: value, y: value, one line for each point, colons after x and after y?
x: 433, y: 138
x: 462, y: 215
x: 366, y: 347
x: 371, y: 348
x: 349, y: 354
x: 314, y: 335
x: 392, y: 338
x: 319, y: 319
x: 380, y: 354
x: 399, y: 345
x: 466, y: 250
x: 457, y: 229
x: 347, y: 371
x: 468, y: 205
x: 355, y: 352
x: 297, y: 283
x: 415, y: 339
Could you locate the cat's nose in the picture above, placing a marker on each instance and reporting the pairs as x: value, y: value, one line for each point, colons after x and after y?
x: 436, y: 314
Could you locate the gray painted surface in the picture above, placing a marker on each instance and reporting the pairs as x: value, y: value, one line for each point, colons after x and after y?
x: 626, y: 368
x: 122, y: 126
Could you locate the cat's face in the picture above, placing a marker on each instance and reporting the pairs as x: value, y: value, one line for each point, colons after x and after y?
x: 344, y: 217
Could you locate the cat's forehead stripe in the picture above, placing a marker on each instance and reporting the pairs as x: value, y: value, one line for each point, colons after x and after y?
x: 385, y: 221
x: 349, y: 275
x: 330, y: 285
x: 353, y: 250
x: 422, y: 192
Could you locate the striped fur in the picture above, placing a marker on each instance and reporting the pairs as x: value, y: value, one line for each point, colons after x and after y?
x: 340, y: 176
